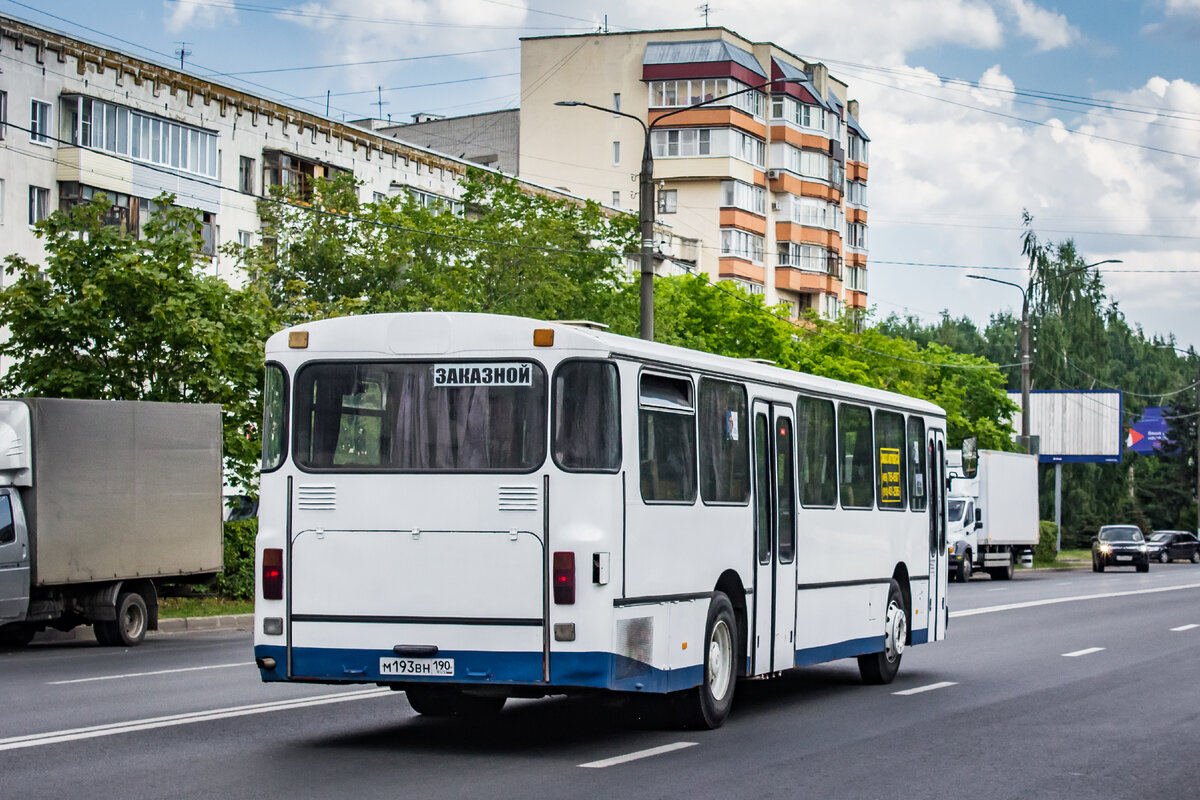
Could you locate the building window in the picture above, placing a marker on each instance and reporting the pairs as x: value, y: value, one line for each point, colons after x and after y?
x: 435, y: 202
x: 703, y: 142
x: 746, y: 196
x: 856, y: 149
x: 857, y: 278
x: 668, y: 201
x: 39, y: 122
x: 856, y: 235
x: 749, y: 287
x: 806, y: 163
x: 39, y: 204
x: 616, y: 154
x: 616, y: 200
x: 856, y: 193
x: 294, y: 173
x: 3, y: 114
x: 831, y: 307
x: 246, y: 238
x: 616, y: 101
x: 741, y: 244
x: 810, y: 257
x: 246, y: 175
x: 103, y: 126
x: 799, y: 114
x: 684, y: 93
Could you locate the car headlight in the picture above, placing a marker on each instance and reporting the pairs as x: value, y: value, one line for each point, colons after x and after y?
x: 1141, y: 548
x: 1106, y: 548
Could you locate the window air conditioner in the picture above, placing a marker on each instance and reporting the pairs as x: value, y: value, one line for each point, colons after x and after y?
x: 772, y: 174
x: 776, y: 206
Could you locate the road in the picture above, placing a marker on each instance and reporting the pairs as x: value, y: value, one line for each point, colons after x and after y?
x: 1054, y: 685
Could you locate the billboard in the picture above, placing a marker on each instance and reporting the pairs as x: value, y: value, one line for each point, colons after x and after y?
x: 1150, y: 435
x: 1074, y: 426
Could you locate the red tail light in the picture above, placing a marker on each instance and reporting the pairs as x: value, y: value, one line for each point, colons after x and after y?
x: 272, y: 573
x: 564, y: 578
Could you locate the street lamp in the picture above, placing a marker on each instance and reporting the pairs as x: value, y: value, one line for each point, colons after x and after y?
x: 1026, y: 362
x: 646, y: 194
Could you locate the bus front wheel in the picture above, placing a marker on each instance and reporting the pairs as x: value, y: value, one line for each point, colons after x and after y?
x: 708, y: 705
x: 879, y: 668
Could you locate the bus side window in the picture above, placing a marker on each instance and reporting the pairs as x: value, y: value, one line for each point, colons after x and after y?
x: 915, y: 457
x: 587, y: 422
x: 724, y: 443
x: 817, y: 440
x: 667, y: 439
x: 858, y: 462
x: 892, y: 485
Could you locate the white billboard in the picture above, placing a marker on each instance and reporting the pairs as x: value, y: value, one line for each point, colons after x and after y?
x: 1074, y: 425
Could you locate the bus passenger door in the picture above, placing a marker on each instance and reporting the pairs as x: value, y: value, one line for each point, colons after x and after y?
x: 938, y: 567
x: 774, y: 631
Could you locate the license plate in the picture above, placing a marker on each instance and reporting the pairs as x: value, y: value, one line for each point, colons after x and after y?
x: 417, y: 667
x: 1124, y: 558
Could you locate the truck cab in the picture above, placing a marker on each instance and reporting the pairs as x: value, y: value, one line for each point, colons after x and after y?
x: 963, y: 523
x: 14, y: 557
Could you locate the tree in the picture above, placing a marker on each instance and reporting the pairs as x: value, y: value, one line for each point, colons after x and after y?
x: 111, y: 316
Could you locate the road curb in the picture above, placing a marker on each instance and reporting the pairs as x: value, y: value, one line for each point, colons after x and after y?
x: 166, y: 627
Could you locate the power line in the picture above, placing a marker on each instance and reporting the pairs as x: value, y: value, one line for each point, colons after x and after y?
x: 373, y: 62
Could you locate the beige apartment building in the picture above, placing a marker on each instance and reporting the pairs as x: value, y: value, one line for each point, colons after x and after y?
x: 771, y: 181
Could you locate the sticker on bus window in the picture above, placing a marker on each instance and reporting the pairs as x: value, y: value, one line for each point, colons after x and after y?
x: 889, y: 476
x: 731, y: 426
x: 513, y: 373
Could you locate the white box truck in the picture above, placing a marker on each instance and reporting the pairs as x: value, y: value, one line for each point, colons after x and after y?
x: 101, y: 503
x: 993, y: 515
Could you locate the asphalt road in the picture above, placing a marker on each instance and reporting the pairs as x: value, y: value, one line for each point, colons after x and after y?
x: 1054, y: 685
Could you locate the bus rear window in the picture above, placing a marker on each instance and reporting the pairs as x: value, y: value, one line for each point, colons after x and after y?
x: 421, y: 417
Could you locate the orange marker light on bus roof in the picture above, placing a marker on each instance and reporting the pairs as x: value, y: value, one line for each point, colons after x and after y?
x: 543, y: 337
x: 298, y: 340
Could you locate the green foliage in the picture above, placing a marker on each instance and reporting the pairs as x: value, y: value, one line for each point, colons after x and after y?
x: 1045, y: 552
x: 111, y: 316
x: 237, y: 580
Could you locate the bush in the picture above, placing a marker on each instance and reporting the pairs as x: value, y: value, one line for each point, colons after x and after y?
x: 237, y: 581
x: 1046, y: 550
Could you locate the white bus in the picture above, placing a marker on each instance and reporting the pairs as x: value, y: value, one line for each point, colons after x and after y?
x: 471, y: 507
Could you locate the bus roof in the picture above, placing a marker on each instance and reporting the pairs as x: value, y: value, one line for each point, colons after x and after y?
x: 458, y: 333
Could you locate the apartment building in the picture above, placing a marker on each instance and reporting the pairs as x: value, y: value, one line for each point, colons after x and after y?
x: 772, y: 180
x: 77, y: 118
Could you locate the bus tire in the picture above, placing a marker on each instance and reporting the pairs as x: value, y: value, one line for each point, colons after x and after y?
x: 432, y: 700
x: 880, y: 668
x: 708, y: 705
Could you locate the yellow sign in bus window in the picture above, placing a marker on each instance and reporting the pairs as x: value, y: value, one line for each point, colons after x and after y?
x: 890, y: 493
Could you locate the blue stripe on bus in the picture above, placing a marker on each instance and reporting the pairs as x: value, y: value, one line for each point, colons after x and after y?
x: 832, y: 652
x: 921, y: 636
x: 567, y: 670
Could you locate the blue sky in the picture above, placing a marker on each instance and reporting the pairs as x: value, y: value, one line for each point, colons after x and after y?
x: 1085, y: 113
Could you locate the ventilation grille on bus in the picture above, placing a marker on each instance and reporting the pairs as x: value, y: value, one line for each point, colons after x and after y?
x: 635, y: 641
x: 518, y: 498
x: 316, y: 498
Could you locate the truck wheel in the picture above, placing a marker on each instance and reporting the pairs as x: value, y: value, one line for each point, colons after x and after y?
x: 880, y: 668
x: 129, y: 628
x: 1004, y: 573
x: 964, y: 569
x: 16, y: 634
x: 708, y: 705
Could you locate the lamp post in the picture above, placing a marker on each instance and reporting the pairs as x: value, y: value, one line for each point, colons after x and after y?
x: 646, y: 194
x: 1026, y: 363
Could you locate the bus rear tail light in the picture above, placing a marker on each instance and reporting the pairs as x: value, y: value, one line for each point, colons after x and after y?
x: 564, y: 578
x: 272, y: 573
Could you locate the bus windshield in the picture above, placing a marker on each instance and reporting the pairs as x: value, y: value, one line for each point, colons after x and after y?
x: 420, y: 416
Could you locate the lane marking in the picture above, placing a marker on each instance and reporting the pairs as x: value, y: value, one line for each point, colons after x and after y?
x: 995, y: 590
x: 970, y: 612
x: 1085, y: 652
x: 929, y: 688
x: 116, y: 728
x: 155, y: 672
x: 1185, y: 627
x: 653, y: 751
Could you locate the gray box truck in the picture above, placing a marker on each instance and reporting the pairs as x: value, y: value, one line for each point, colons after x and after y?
x: 103, y: 502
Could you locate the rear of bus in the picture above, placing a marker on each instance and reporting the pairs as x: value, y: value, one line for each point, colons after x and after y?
x: 406, y: 534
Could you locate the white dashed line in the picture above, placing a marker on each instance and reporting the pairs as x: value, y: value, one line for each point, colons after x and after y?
x: 155, y: 672
x: 970, y: 612
x: 1086, y: 652
x: 1185, y: 627
x: 928, y: 688
x: 653, y: 751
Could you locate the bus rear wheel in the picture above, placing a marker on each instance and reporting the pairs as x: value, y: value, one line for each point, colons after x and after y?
x: 708, y: 705
x: 881, y: 667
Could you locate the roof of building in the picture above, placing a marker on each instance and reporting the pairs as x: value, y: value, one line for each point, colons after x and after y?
x: 700, y: 52
x: 852, y: 123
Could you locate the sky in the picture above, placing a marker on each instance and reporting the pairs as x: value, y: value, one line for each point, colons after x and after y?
x: 1086, y: 113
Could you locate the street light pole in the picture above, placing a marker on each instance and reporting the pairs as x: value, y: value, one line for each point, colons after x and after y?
x: 646, y: 206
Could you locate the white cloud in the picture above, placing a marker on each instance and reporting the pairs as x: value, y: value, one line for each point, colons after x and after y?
x: 995, y: 89
x: 1182, y: 8
x: 197, y: 14
x: 1049, y: 29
